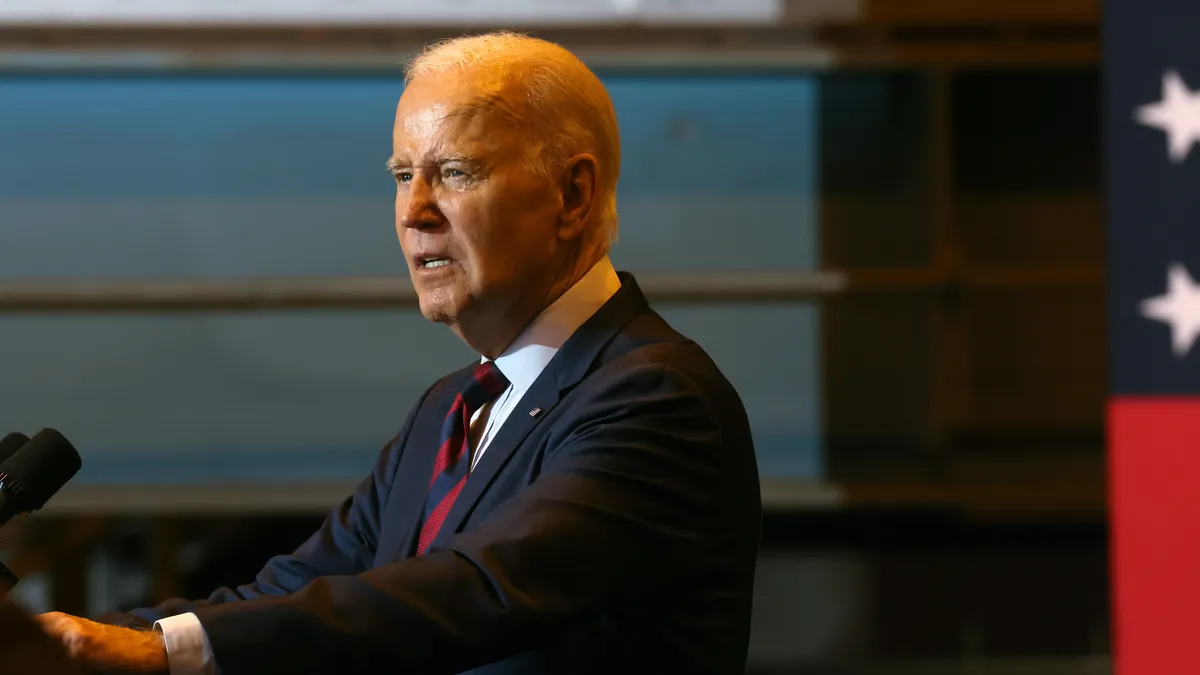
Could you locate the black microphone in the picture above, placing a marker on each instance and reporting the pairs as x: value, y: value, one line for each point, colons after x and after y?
x: 10, y: 444
x: 35, y: 472
x: 29, y: 476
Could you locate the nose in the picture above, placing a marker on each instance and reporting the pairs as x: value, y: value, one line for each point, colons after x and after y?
x: 416, y: 207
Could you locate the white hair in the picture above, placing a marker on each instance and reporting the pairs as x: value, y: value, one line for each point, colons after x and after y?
x: 569, y: 108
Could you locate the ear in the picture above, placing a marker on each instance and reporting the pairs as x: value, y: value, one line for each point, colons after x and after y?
x: 579, y: 182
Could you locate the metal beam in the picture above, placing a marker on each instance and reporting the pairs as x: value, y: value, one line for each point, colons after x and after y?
x: 88, y: 295
x: 795, y: 43
x: 40, y: 296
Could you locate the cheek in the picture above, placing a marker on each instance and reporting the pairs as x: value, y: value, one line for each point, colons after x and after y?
x: 502, y: 235
x: 516, y: 261
x: 475, y: 231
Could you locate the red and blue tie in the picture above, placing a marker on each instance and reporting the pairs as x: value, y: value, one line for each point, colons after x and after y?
x: 453, y: 461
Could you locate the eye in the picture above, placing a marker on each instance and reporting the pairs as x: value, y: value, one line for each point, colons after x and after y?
x: 453, y: 173
x: 404, y: 176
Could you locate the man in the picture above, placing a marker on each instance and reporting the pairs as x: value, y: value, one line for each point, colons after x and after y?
x: 583, y: 500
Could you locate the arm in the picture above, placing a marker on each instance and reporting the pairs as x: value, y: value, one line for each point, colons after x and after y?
x: 345, y: 544
x: 622, y: 504
x: 342, y: 545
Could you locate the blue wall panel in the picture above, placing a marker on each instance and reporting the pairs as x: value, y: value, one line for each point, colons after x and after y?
x: 234, y: 175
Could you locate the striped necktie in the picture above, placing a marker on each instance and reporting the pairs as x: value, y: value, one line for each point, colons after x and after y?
x: 453, y: 461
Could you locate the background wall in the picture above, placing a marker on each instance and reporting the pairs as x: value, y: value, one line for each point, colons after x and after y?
x: 230, y: 174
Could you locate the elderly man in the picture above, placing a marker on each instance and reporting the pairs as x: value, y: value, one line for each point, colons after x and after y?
x: 584, y: 499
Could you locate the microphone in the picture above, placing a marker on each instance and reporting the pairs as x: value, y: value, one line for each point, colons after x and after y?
x: 30, y: 474
x: 10, y: 444
x: 35, y: 472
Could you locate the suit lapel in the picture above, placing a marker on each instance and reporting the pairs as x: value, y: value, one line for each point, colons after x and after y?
x: 565, y: 370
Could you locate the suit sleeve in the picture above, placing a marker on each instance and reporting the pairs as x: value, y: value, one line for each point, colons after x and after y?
x: 621, y: 505
x: 27, y: 648
x: 344, y: 545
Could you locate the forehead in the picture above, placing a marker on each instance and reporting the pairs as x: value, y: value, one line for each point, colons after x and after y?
x: 456, y: 111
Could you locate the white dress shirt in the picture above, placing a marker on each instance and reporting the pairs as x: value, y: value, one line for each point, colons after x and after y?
x: 188, y: 648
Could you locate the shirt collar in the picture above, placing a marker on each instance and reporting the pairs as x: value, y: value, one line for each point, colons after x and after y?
x: 528, y: 355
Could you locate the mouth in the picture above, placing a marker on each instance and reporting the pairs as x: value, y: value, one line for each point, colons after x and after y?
x: 433, y: 263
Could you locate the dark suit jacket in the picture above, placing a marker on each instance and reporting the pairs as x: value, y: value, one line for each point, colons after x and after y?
x: 616, y: 532
x: 25, y: 649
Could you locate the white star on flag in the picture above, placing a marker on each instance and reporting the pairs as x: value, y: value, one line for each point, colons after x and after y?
x: 1180, y: 308
x: 1177, y: 114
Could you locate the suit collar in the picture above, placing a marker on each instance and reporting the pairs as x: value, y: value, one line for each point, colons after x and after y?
x: 564, y: 371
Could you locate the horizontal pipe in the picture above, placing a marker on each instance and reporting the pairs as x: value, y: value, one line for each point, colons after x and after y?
x: 282, y: 293
x: 805, y: 39
x: 91, y: 295
x: 676, y: 58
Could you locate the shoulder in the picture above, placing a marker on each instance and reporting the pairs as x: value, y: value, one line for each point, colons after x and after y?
x: 654, y: 400
x: 648, y: 369
x: 649, y: 354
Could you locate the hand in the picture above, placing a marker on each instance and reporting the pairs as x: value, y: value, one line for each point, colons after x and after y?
x: 108, y: 649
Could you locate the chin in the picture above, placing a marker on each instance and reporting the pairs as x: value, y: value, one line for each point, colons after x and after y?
x: 435, y: 313
x: 438, y: 307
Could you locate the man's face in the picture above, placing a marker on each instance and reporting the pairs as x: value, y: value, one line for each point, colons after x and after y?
x: 477, y: 226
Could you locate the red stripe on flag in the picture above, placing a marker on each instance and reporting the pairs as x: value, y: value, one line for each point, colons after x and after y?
x: 1154, y: 506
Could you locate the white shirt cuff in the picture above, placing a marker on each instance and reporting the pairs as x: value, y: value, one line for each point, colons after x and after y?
x: 188, y: 649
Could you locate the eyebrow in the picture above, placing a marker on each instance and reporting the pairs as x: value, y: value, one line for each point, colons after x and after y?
x: 394, y: 164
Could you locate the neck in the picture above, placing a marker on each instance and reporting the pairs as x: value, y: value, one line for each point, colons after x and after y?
x: 492, y: 332
x: 491, y: 338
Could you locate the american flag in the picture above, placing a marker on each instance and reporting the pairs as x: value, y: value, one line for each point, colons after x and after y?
x: 1152, y: 63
